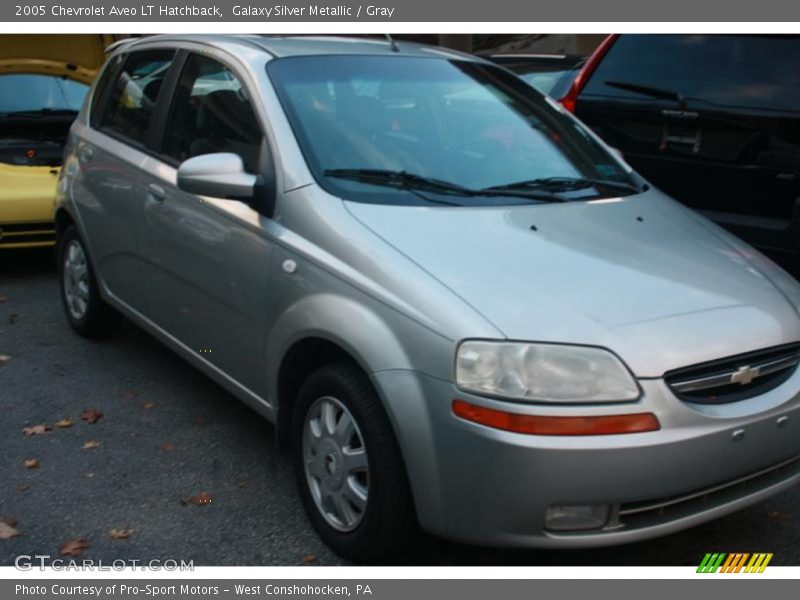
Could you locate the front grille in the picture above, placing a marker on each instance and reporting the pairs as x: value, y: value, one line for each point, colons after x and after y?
x: 26, y: 233
x: 661, y: 510
x: 735, y: 378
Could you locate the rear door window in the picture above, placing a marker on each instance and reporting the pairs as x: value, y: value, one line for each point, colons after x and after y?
x: 751, y: 71
x: 102, y: 86
x: 133, y: 99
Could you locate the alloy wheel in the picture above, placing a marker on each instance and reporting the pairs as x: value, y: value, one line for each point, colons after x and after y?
x: 335, y: 463
x: 76, y: 279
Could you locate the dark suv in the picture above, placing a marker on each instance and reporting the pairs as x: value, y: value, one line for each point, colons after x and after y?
x: 712, y: 120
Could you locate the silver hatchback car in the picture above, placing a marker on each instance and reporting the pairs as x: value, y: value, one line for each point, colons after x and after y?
x: 458, y: 306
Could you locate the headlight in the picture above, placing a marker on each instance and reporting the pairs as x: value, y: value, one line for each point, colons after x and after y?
x: 543, y: 372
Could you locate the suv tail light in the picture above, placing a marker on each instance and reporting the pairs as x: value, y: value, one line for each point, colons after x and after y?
x: 571, y: 97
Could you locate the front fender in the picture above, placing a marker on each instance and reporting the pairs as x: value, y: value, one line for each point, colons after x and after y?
x: 351, y: 325
x: 393, y: 364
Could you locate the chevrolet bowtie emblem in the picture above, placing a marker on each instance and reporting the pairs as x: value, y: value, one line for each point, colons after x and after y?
x: 744, y: 375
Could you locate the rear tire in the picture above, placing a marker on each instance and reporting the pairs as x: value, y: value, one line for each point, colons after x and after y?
x: 86, y: 311
x: 349, y: 468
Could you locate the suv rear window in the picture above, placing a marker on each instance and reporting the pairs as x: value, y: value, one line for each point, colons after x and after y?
x: 752, y: 71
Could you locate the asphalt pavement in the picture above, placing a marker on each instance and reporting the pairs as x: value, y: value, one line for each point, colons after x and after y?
x: 179, y: 469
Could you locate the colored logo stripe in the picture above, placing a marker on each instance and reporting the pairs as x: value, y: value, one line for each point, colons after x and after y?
x: 734, y: 562
x: 711, y: 562
x: 759, y: 562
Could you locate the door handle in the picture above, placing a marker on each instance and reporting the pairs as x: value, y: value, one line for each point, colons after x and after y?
x: 156, y: 192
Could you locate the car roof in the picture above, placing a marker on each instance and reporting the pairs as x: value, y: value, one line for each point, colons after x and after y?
x: 283, y: 46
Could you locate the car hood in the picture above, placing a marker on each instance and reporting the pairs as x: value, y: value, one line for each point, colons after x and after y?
x: 640, y: 275
x: 74, y: 56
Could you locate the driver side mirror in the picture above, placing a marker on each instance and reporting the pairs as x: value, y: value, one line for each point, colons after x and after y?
x: 222, y: 175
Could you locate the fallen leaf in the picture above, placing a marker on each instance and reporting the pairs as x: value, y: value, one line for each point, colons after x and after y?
x: 12, y: 318
x: 128, y: 395
x: 168, y: 447
x: 31, y: 463
x: 73, y: 548
x: 64, y: 423
x: 309, y: 558
x: 199, y: 500
x: 4, y: 358
x: 10, y: 521
x: 91, y: 444
x: 779, y: 515
x: 120, y: 534
x: 35, y: 430
x: 91, y: 415
x: 7, y: 531
x: 148, y: 405
x: 22, y: 487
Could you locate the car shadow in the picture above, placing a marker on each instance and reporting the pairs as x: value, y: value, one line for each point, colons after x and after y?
x: 27, y: 262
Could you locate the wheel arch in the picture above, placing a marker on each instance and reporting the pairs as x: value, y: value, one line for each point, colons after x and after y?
x: 62, y: 220
x: 322, y: 329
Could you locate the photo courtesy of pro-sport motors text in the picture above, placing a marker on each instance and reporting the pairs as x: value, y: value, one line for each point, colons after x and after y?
x: 389, y: 300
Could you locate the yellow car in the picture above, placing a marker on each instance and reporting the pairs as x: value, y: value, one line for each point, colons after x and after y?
x: 43, y: 82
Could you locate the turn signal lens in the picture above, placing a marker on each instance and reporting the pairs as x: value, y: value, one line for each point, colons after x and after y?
x: 540, y: 425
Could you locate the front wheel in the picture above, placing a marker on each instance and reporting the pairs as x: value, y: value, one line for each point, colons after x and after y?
x: 349, y: 468
x: 86, y: 311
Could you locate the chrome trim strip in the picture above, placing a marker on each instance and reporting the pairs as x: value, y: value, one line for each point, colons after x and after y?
x: 753, y: 372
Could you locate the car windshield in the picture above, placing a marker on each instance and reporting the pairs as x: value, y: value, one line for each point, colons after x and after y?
x: 380, y: 129
x: 22, y: 93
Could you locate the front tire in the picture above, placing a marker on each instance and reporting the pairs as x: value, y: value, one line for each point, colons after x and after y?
x: 86, y: 311
x: 349, y: 469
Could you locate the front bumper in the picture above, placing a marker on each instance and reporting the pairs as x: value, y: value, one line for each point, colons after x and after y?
x: 482, y: 485
x: 27, y: 199
x: 27, y: 235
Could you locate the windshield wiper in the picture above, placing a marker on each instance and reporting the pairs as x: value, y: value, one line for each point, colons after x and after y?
x: 648, y: 90
x: 411, y: 181
x: 566, y: 183
x: 400, y: 179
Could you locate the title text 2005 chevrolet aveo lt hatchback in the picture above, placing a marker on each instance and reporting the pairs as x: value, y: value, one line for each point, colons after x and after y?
x: 458, y: 306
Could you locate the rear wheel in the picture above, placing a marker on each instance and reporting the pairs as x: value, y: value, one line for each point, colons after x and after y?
x: 349, y: 468
x: 86, y: 311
